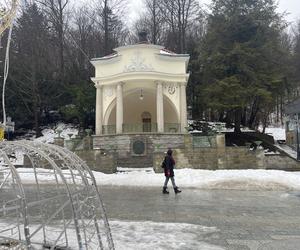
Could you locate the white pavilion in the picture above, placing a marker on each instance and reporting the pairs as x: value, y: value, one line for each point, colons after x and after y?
x: 141, y: 88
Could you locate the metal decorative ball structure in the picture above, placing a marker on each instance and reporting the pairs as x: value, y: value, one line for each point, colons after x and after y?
x: 51, y: 201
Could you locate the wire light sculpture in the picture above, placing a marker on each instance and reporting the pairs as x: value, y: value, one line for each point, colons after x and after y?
x: 52, y: 202
x: 7, y: 14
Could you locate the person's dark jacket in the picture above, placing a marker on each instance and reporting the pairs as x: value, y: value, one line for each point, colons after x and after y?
x: 169, y: 167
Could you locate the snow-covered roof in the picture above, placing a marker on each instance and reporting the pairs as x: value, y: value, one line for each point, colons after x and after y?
x: 114, y: 55
x: 162, y: 51
x: 139, y: 45
x: 166, y: 52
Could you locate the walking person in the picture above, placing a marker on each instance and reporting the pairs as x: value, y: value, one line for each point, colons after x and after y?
x: 168, y: 165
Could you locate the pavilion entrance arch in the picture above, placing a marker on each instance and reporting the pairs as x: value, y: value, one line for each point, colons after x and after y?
x: 140, y: 113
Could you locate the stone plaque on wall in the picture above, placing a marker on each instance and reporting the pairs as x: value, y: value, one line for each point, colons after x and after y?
x: 204, y: 141
x: 138, y: 147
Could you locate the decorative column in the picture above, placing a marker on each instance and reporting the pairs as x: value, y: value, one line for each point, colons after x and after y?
x: 119, y: 111
x: 160, y: 107
x: 99, y: 108
x: 183, y: 107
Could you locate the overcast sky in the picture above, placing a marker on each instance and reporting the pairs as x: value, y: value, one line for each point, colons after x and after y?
x: 290, y: 6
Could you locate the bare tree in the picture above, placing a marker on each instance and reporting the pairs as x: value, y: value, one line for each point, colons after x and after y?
x: 152, y: 21
x: 296, y: 56
x: 56, y: 11
x: 179, y: 14
x: 81, y: 40
x: 108, y: 17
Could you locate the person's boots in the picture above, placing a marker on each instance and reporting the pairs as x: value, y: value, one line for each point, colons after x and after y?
x: 165, y: 191
x: 176, y: 190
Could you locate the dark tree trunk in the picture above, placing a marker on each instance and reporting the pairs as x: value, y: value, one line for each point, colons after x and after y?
x: 237, y: 120
x: 154, y: 31
x: 61, y: 42
x: 264, y: 124
x: 37, y: 121
x: 228, y: 119
x: 221, y: 116
x: 281, y: 110
x: 106, y: 28
x: 253, y: 114
x: 61, y: 56
x: 244, y: 117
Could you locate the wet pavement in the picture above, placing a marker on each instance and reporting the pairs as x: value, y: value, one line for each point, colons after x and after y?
x: 255, y: 220
x: 244, y: 220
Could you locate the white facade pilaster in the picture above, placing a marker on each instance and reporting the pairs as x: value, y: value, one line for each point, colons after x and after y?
x: 160, y: 107
x: 99, y: 110
x: 183, y: 107
x: 119, y: 108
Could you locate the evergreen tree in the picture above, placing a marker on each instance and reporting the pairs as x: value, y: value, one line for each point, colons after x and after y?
x: 32, y: 68
x: 296, y: 58
x: 239, y: 58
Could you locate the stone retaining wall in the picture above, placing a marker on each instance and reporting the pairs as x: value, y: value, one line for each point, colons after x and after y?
x: 98, y: 160
x: 122, y: 146
x: 117, y: 150
x: 221, y: 157
x: 280, y: 162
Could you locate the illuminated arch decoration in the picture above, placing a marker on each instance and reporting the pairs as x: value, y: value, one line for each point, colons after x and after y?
x: 52, y: 202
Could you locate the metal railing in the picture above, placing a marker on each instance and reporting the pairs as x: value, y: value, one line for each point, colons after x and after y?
x: 172, y: 128
x: 109, y: 129
x: 141, y: 128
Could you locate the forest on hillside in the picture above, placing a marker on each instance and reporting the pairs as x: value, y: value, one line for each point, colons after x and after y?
x: 245, y: 57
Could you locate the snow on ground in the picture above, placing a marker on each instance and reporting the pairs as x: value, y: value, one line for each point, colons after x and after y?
x: 185, y: 178
x: 288, y: 150
x: 50, y: 133
x: 142, y: 235
x: 153, y: 235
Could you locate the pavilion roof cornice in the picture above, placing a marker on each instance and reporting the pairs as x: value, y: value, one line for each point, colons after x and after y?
x: 107, y: 59
x: 135, y: 76
x: 140, y: 45
x: 186, y: 56
x: 174, y: 57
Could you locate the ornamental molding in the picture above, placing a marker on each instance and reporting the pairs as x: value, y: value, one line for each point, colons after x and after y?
x: 171, y: 88
x: 137, y: 63
x: 108, y: 91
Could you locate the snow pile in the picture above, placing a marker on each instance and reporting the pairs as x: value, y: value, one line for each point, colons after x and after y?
x: 49, y: 134
x: 185, y: 178
x: 141, y: 235
x: 206, y: 179
x: 45, y: 176
x: 16, y: 158
x: 277, y: 133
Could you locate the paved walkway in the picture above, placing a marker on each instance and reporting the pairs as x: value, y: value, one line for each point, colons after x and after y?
x: 255, y: 220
